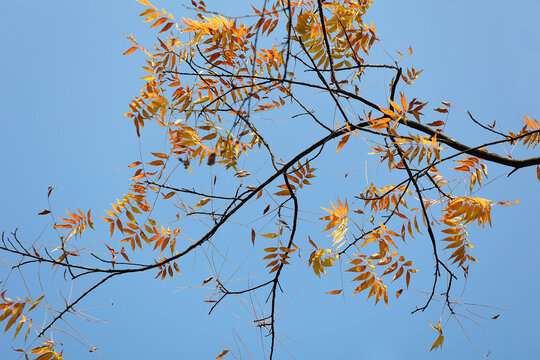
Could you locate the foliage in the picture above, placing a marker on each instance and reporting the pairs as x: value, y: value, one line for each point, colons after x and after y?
x: 209, y: 80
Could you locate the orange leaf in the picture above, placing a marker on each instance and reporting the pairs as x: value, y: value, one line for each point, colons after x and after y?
x: 130, y: 50
x: 160, y: 155
x: 461, y: 168
x: 134, y: 164
x: 343, y: 141
x: 403, y: 101
x: 169, y: 195
x: 167, y: 27
x: 222, y: 354
x: 156, y: 163
x: 334, y: 292
x: 159, y: 22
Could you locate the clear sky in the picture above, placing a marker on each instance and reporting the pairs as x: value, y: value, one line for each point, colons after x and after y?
x: 66, y: 85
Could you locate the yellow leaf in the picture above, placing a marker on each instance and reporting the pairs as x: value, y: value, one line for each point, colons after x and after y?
x: 21, y: 323
x: 201, y: 100
x: 46, y: 356
x: 144, y: 2
x: 395, y: 106
x: 41, y: 350
x: 148, y: 78
x: 438, y: 343
x: 202, y: 202
x: 270, y: 236
x: 35, y: 303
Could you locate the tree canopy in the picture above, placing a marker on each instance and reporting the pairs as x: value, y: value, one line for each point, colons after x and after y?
x: 238, y: 119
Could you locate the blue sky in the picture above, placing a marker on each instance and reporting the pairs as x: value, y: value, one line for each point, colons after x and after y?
x: 66, y: 85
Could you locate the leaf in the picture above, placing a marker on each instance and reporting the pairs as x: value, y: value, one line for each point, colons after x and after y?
x: 159, y: 22
x: 201, y: 100
x: 44, y: 212
x: 46, y: 356
x: 169, y: 195
x: 335, y: 292
x: 134, y: 164
x: 222, y: 354
x: 156, y: 163
x: 19, y: 326
x: 441, y: 110
x: 130, y: 50
x: 202, y: 202
x: 144, y: 2
x: 438, y: 343
x: 41, y: 350
x: 342, y: 142
x: 436, y: 123
x: 167, y: 27
x: 253, y: 237
x: 35, y: 303
x: 403, y: 100
x: 538, y: 172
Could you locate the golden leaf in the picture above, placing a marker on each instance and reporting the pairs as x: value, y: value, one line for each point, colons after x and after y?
x: 438, y: 343
x: 201, y: 100
x: 202, y: 202
x: 342, y: 142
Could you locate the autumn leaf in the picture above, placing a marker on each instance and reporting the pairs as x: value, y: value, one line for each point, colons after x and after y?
x: 222, y: 354
x: 438, y: 343
x: 342, y: 142
x: 202, y: 202
x: 130, y: 50
x: 335, y: 292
